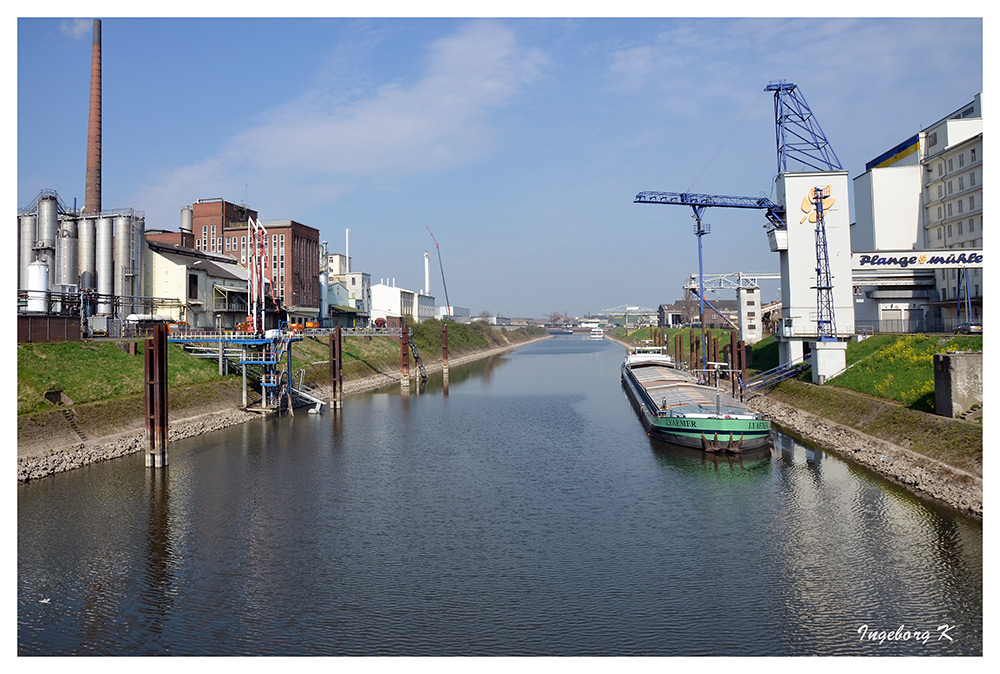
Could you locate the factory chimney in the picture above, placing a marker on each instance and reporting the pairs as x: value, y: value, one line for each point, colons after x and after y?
x: 427, y: 274
x: 92, y: 193
x: 347, y: 249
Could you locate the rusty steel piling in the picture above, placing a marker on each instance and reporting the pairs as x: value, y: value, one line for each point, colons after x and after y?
x: 157, y: 435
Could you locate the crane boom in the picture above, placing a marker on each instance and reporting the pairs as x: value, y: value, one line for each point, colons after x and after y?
x: 443, y: 284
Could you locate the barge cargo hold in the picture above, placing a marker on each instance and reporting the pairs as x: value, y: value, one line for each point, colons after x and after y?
x: 677, y: 409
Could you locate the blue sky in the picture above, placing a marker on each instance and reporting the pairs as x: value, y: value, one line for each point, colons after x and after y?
x: 520, y: 142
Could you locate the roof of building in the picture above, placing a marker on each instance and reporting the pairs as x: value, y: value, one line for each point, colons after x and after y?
x: 217, y: 266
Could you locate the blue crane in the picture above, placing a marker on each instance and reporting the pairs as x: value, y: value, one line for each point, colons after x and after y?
x: 698, y: 203
x: 799, y: 138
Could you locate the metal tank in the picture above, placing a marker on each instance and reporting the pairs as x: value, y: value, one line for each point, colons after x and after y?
x: 86, y: 253
x: 38, y: 287
x: 104, y: 258
x: 187, y: 219
x: 26, y: 253
x: 138, y: 253
x: 324, y: 284
x: 68, y: 272
x: 123, y: 260
x: 48, y: 230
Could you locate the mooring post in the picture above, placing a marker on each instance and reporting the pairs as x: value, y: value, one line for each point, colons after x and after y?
x: 741, y: 347
x: 691, y: 354
x: 404, y: 358
x: 338, y: 358
x: 732, y: 360
x: 155, y: 361
x: 444, y: 350
x: 221, y: 373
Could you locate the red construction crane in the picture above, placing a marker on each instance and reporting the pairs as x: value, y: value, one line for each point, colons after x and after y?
x: 443, y: 284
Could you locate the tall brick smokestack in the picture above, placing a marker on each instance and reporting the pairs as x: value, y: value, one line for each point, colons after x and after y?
x: 92, y: 195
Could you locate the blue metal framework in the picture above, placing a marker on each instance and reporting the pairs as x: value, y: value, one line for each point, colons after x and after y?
x: 797, y: 133
x: 826, y: 323
x: 698, y: 203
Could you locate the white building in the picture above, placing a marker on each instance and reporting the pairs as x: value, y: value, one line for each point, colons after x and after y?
x: 951, y: 153
x: 456, y: 314
x: 796, y: 247
x: 424, y: 308
x: 389, y: 301
x: 919, y: 197
x: 212, y: 288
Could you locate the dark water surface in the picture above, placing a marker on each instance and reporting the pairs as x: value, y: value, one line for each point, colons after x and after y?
x: 526, y: 513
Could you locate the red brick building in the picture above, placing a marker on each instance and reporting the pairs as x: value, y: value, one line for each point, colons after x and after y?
x: 293, y: 250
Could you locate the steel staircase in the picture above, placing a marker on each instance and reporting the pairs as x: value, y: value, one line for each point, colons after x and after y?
x: 416, y: 357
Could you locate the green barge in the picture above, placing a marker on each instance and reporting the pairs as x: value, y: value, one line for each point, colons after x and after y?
x: 676, y: 408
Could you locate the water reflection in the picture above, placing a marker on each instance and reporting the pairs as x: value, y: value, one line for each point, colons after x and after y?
x: 526, y: 513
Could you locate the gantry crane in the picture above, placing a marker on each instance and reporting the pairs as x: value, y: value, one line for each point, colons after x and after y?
x: 800, y: 139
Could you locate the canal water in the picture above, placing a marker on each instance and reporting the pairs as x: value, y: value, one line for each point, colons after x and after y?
x: 524, y: 513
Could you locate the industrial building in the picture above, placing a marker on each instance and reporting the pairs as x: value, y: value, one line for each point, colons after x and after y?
x: 914, y: 202
x: 220, y: 227
x: 213, y: 288
x: 358, y: 284
x: 63, y: 254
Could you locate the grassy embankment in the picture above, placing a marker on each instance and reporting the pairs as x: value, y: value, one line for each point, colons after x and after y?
x: 886, y: 392
x: 91, y: 372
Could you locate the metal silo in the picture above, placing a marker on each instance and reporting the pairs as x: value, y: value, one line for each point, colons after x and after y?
x: 38, y: 287
x: 68, y: 273
x: 48, y: 230
x: 26, y: 231
x: 187, y: 219
x: 104, y: 258
x: 86, y: 252
x: 123, y: 260
x: 138, y: 252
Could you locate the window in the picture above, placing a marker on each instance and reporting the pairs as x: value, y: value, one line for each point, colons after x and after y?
x: 972, y: 202
x: 960, y: 210
x: 227, y: 245
x: 973, y: 153
x: 961, y: 160
x: 192, y: 286
x: 940, y: 191
x: 975, y: 291
x: 354, y: 281
x: 939, y: 233
x: 751, y: 314
x: 751, y: 303
x: 940, y: 215
x: 949, y: 229
x: 960, y: 222
x: 951, y: 165
x: 950, y: 186
x: 972, y: 225
x: 949, y: 215
x: 972, y: 179
x: 961, y: 183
